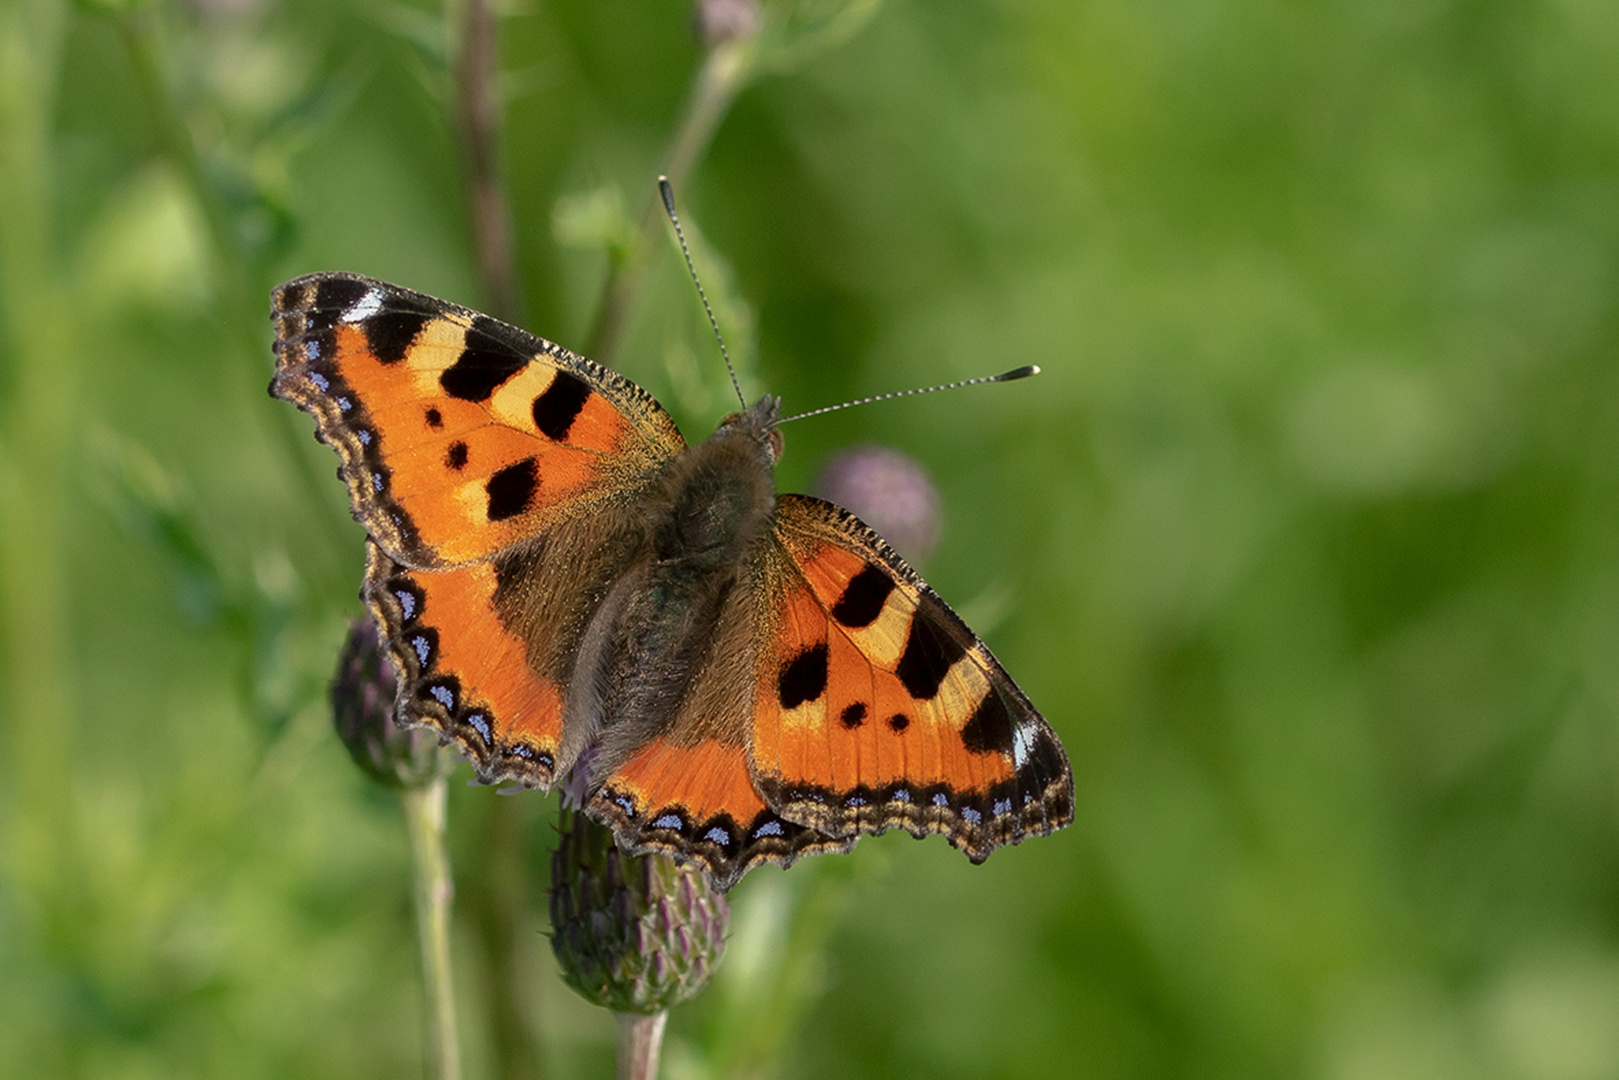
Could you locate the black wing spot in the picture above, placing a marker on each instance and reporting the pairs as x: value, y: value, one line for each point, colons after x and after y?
x: 989, y: 729
x: 899, y: 722
x: 477, y: 372
x: 511, y: 490
x: 435, y: 419
x: 863, y: 598
x: 456, y: 456
x: 929, y: 654
x: 391, y: 333
x: 561, y: 402
x: 803, y: 678
x: 854, y: 715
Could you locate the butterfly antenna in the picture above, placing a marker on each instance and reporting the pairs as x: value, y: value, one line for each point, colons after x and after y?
x: 1005, y: 376
x: 668, y: 194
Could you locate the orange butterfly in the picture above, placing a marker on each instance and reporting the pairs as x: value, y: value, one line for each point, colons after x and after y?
x: 570, y: 591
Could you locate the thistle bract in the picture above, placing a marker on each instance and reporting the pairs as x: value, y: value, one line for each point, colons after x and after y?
x: 633, y: 933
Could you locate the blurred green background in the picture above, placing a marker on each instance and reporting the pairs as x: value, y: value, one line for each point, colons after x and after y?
x: 1305, y: 542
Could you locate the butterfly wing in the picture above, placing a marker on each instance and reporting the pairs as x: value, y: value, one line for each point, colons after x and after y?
x: 498, y: 476
x: 697, y: 801
x: 688, y: 792
x: 459, y: 435
x: 463, y: 671
x: 877, y: 708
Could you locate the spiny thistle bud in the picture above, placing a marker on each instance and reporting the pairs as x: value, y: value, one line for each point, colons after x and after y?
x: 633, y: 933
x: 890, y: 492
x: 363, y: 692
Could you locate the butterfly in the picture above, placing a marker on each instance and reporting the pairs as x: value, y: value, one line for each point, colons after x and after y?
x: 572, y: 594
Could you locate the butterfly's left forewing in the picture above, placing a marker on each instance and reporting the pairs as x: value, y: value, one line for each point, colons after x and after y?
x: 876, y: 707
x: 459, y: 435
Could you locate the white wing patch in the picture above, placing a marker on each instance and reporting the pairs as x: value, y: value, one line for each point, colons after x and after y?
x: 363, y: 308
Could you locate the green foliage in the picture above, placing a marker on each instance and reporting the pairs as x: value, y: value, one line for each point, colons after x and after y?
x: 1306, y: 541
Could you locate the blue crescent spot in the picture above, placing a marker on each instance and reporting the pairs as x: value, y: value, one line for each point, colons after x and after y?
x: 854, y: 800
x: 376, y: 481
x: 718, y: 836
x: 668, y: 821
x: 442, y: 695
x: 423, y: 647
x: 363, y: 435
x: 479, y: 722
x: 769, y: 828
x: 901, y: 795
x: 407, y: 602
x: 317, y: 378
x: 344, y: 404
x: 1002, y: 805
x: 971, y: 815
x: 941, y: 799
x: 312, y: 351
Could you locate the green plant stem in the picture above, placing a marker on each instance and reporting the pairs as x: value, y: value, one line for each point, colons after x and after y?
x: 424, y: 816
x: 38, y: 426
x: 478, y: 116
x: 640, y: 1041
x: 724, y: 73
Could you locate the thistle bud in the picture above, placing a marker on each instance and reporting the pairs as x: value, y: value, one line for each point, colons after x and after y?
x: 632, y: 933
x: 887, y: 490
x: 363, y: 692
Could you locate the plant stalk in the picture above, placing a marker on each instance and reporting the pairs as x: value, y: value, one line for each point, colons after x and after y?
x: 724, y: 73
x: 40, y: 421
x: 640, y: 1041
x: 478, y: 116
x: 424, y: 817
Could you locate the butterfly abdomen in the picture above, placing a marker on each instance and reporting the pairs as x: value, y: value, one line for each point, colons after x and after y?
x: 657, y: 626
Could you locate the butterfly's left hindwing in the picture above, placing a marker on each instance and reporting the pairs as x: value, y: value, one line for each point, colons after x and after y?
x: 877, y: 708
x: 462, y: 671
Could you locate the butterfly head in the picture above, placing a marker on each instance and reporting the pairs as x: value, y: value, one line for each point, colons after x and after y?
x: 759, y: 421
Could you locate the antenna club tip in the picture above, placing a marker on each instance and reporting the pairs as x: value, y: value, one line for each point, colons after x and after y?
x: 668, y: 194
x: 1019, y: 373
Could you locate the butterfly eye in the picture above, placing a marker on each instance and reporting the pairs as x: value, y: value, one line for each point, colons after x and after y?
x: 776, y: 444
